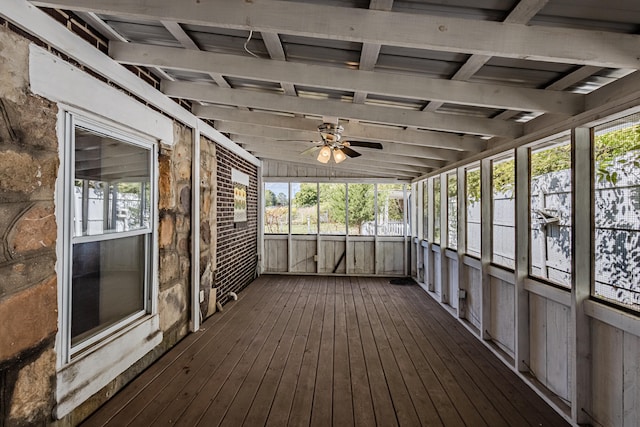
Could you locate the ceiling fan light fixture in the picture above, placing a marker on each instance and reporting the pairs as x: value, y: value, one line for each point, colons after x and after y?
x: 324, y: 155
x: 338, y: 155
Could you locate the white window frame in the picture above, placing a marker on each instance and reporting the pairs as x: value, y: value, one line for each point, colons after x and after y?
x: 91, y: 364
x: 73, y: 122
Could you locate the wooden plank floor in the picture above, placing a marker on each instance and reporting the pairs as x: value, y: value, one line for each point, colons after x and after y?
x: 321, y: 351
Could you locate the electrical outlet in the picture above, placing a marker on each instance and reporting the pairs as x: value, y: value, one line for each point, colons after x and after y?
x: 315, y: 258
x: 201, y: 296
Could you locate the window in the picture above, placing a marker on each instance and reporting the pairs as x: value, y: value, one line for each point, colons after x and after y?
x: 436, y: 210
x: 425, y: 210
x: 276, y: 210
x: 361, y: 212
x: 390, y: 219
x: 550, y: 204
x: 109, y: 245
x: 333, y: 209
x: 616, y: 157
x: 304, y: 208
x: 452, y: 211
x: 503, y: 192
x: 472, y: 189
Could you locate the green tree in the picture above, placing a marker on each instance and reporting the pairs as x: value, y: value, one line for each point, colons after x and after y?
x: 270, y: 198
x: 334, y: 201
x: 282, y: 199
x: 360, y: 205
x: 306, y: 196
x: 609, y: 149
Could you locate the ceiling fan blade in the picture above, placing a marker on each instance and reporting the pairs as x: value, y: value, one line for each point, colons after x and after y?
x: 310, y: 150
x: 366, y: 144
x: 299, y: 140
x: 349, y: 152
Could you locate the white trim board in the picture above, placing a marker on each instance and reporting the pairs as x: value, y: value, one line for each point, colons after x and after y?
x: 59, y: 81
x: 80, y: 380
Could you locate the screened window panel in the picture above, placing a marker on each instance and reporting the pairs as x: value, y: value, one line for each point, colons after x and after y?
x: 361, y: 209
x: 503, y: 195
x: 452, y: 211
x: 474, y: 232
x: 390, y: 219
x: 304, y: 208
x: 276, y: 211
x: 616, y: 156
x: 436, y: 210
x: 550, y: 208
x: 333, y: 209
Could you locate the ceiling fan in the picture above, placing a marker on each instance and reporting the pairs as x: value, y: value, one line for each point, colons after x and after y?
x: 332, y: 144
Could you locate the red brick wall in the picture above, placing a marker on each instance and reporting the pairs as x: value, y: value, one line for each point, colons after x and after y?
x: 237, y: 247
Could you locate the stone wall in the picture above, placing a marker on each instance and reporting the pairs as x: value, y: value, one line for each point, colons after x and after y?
x: 175, y: 232
x: 208, y: 223
x: 28, y: 293
x: 237, y: 248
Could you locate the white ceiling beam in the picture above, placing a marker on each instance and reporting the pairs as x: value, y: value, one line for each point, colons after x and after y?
x: 521, y: 14
x: 359, y: 164
x: 105, y: 29
x: 302, y: 172
x: 347, y: 166
x: 370, y: 51
x: 323, y: 107
x: 187, y: 42
x: 541, y: 43
x: 276, y: 51
x: 304, y: 136
x: 356, y: 131
x: 372, y: 154
x: 409, y: 87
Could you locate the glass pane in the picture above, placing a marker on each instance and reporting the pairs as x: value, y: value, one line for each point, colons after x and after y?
x: 425, y: 210
x: 452, y: 211
x: 333, y: 208
x: 108, y: 284
x: 436, y: 210
x: 390, y: 219
x: 276, y: 211
x: 473, y: 212
x: 111, y: 185
x: 304, y: 208
x: 551, y: 212
x: 503, y: 180
x: 361, y: 210
x: 617, y: 211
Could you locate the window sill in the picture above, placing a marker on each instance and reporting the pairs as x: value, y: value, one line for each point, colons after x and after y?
x: 85, y: 376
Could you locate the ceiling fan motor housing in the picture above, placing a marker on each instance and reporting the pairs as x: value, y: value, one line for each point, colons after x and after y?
x: 331, y: 132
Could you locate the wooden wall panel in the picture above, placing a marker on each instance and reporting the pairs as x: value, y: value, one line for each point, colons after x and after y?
x: 631, y: 375
x: 390, y: 257
x: 275, y: 255
x: 330, y: 253
x: 502, y: 314
x: 538, y: 337
x: 361, y: 259
x: 606, y: 371
x: 453, y: 282
x: 558, y: 349
x: 437, y: 274
x: 474, y: 295
x: 303, y: 254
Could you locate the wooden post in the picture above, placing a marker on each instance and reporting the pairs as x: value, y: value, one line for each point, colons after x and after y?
x: 486, y: 232
x: 429, y: 264
x: 582, y: 267
x: 445, y: 298
x: 462, y: 243
x: 521, y: 301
